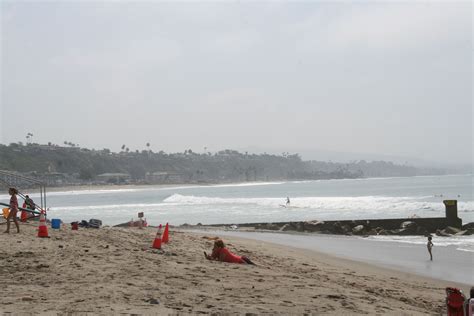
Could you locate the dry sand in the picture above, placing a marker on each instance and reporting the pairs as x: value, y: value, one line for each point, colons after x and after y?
x: 114, y: 270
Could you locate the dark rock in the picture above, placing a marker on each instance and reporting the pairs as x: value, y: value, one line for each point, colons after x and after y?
x: 286, y: 227
x: 346, y: 229
x: 313, y: 226
x: 372, y: 232
x: 468, y: 226
x: 153, y: 301
x: 407, y: 224
x: 368, y: 225
x: 337, y: 228
x: 451, y: 230
x: 402, y: 232
x: 358, y: 230
x: 407, y: 228
x: 268, y: 226
x: 382, y: 232
x: 299, y: 226
x: 379, y: 229
x: 422, y: 231
x: 442, y: 233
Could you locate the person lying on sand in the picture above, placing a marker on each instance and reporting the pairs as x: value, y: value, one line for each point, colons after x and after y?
x: 221, y: 253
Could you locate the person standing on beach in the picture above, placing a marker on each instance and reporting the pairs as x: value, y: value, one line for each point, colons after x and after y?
x: 429, y: 245
x: 13, y: 210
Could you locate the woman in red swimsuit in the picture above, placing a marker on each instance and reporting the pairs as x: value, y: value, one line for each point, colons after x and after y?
x: 13, y: 210
x: 221, y: 253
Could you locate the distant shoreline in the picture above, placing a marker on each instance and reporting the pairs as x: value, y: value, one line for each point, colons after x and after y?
x: 180, y: 185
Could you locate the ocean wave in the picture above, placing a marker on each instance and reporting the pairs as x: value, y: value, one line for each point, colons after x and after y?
x: 246, y: 184
x: 465, y: 249
x: 138, y: 206
x: 144, y: 189
x: 379, y: 203
x: 463, y: 243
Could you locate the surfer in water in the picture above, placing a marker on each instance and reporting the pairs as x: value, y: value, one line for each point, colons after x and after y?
x: 287, y: 201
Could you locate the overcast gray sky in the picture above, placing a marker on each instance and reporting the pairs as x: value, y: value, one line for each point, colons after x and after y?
x: 392, y: 78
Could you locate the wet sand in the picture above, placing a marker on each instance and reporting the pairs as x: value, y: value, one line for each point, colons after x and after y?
x: 114, y: 270
x: 449, y: 264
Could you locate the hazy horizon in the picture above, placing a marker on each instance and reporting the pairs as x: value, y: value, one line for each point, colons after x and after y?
x: 378, y: 79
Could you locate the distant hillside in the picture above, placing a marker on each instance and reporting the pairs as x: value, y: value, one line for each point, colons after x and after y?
x: 69, y: 165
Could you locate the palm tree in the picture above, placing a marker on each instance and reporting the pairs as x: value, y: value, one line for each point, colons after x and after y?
x: 29, y: 138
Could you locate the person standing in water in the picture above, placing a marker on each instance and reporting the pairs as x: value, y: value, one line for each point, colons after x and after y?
x: 429, y: 245
x: 287, y: 201
x: 13, y: 210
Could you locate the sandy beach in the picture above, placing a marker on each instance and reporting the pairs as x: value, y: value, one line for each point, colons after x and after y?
x: 115, y: 270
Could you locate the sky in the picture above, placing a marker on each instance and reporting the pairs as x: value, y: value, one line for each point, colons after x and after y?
x: 386, y: 78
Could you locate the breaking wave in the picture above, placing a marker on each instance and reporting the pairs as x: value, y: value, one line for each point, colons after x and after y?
x: 379, y: 203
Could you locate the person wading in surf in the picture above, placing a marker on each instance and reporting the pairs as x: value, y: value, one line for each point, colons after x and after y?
x: 429, y: 245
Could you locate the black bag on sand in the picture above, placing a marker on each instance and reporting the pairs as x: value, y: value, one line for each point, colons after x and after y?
x: 95, y: 223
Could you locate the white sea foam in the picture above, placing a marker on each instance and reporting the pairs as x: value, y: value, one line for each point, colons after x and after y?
x: 144, y: 189
x: 109, y: 206
x: 361, y: 203
x: 463, y: 243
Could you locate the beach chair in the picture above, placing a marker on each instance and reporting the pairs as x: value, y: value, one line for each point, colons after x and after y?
x: 454, y: 301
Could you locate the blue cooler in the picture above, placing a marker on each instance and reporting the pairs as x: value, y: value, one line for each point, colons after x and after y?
x: 56, y: 223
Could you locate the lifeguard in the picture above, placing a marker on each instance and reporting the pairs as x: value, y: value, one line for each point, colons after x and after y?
x: 221, y: 253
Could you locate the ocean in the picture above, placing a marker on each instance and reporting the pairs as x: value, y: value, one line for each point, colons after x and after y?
x: 310, y: 200
x: 264, y: 202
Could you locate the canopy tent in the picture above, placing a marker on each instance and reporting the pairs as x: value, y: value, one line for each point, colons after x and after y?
x: 10, y: 179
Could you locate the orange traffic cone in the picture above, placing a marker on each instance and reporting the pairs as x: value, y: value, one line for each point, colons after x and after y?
x: 42, y: 229
x: 165, y: 237
x: 157, y: 242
